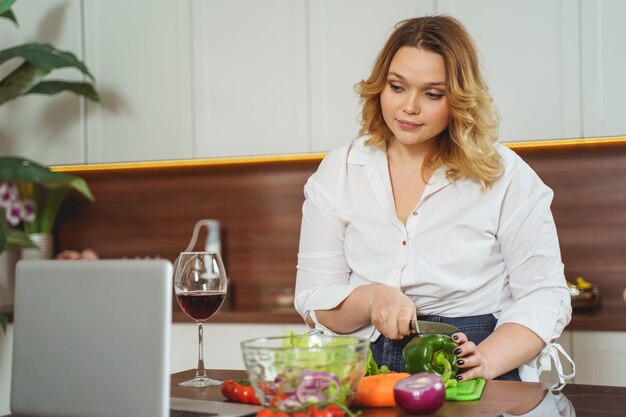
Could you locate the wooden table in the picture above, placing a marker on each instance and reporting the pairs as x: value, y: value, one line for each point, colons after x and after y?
x: 516, y: 398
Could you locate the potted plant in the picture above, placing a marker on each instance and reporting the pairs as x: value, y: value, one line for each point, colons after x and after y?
x: 27, y: 185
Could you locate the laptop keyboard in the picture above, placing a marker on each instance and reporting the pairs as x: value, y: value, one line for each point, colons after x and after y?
x: 183, y: 413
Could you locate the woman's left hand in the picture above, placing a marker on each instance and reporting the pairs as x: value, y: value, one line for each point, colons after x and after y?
x: 469, y: 358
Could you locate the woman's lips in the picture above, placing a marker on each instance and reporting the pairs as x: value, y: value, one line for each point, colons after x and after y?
x: 407, y: 125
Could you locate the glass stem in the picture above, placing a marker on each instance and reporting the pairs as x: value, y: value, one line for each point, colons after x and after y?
x: 200, y: 372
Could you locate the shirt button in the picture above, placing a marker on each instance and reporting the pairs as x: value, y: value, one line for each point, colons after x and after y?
x: 415, y: 213
x: 404, y: 242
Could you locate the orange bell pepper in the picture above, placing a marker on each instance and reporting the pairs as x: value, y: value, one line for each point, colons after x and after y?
x: 377, y: 390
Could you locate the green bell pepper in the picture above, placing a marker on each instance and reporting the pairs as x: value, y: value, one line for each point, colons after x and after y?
x: 432, y: 353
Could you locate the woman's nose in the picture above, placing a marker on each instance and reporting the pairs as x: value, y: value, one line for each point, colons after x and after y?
x: 411, y: 106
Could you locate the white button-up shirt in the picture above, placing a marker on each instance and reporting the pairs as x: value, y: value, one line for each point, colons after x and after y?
x: 463, y: 251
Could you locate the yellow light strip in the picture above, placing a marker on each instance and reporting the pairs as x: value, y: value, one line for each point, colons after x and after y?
x: 557, y: 143
x: 242, y: 160
x: 239, y: 160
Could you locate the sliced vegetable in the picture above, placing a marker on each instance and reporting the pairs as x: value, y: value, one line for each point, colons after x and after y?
x: 372, y: 367
x: 423, y: 392
x: 377, y: 390
x: 432, y: 353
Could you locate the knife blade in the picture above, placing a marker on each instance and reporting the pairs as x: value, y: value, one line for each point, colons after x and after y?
x: 432, y: 327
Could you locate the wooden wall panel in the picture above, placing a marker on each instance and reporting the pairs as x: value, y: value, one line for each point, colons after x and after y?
x: 151, y: 212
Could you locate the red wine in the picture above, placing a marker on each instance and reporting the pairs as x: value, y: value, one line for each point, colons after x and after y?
x: 200, y: 305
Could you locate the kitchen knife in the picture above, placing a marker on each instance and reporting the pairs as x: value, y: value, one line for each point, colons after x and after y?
x: 432, y: 327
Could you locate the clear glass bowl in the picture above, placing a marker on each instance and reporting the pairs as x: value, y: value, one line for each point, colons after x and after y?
x: 290, y: 371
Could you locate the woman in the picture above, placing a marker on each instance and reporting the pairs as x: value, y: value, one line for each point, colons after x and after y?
x: 426, y: 215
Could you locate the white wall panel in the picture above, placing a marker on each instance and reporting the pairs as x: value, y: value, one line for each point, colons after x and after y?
x: 48, y: 129
x: 530, y: 53
x: 600, y: 358
x: 345, y: 39
x: 222, y: 343
x: 250, y: 74
x: 603, y: 67
x: 139, y: 52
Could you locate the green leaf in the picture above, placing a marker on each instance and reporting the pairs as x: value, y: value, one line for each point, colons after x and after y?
x: 20, y: 81
x: 54, y: 87
x: 19, y: 239
x: 9, y: 15
x: 45, y: 56
x: 5, y: 5
x: 48, y: 200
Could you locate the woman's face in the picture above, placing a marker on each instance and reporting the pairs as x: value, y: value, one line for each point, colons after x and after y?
x: 413, y: 102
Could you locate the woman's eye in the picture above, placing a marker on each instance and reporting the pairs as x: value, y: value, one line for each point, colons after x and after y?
x: 395, y: 88
x: 434, y: 96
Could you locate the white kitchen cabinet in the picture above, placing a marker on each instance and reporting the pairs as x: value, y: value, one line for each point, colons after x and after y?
x: 139, y: 52
x: 222, y: 348
x: 345, y: 38
x: 250, y: 77
x: 603, y: 67
x: 47, y: 129
x: 600, y: 357
x: 531, y: 58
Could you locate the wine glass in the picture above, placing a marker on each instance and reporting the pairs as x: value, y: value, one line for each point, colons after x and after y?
x: 200, y: 287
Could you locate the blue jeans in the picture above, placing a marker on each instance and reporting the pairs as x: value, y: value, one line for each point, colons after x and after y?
x: 476, y: 328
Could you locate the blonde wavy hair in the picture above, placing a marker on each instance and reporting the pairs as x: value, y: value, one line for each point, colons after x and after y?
x: 466, y: 146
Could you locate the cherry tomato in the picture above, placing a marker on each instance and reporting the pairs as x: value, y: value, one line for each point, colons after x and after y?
x: 226, y: 387
x: 265, y: 412
x: 281, y: 414
x: 296, y: 414
x: 244, y: 394
x: 335, y: 410
x: 322, y: 413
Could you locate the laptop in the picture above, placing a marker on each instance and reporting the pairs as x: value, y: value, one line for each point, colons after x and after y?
x: 92, y: 339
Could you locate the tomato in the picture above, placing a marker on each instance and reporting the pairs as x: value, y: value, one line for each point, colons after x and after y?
x: 322, y: 413
x: 281, y: 414
x: 245, y: 394
x: 335, y: 410
x: 253, y: 398
x: 265, y: 412
x: 227, y: 387
x: 234, y: 391
x: 296, y: 414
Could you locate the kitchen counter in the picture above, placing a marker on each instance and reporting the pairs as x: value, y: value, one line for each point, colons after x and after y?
x: 500, y: 398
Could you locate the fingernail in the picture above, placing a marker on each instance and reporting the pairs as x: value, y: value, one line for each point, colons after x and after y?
x: 455, y: 337
x: 460, y: 362
x: 457, y: 351
x: 459, y: 377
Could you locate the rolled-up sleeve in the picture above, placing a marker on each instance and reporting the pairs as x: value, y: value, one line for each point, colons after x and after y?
x: 529, y: 243
x: 323, y: 275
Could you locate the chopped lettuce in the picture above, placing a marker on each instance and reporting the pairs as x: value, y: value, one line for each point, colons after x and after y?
x: 372, y: 367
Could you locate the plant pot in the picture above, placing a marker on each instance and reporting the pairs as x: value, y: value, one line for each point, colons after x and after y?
x: 45, y: 249
x: 8, y: 260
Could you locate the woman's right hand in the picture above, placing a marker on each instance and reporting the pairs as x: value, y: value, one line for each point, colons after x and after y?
x: 391, y: 312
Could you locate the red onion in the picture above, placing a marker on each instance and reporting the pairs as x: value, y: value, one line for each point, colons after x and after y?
x: 420, y: 393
